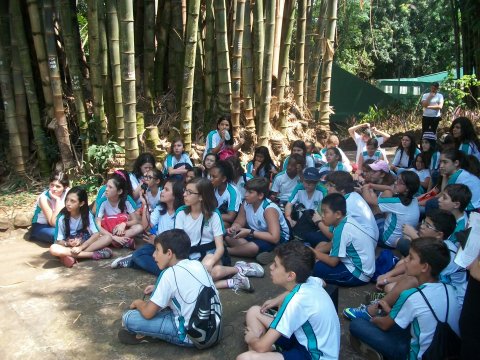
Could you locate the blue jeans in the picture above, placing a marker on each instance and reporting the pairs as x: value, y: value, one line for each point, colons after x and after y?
x: 143, y: 259
x: 314, y: 238
x: 43, y: 233
x: 393, y: 344
x: 161, y: 326
x: 338, y: 275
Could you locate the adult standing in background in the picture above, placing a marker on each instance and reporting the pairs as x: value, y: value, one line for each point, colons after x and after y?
x: 432, y: 103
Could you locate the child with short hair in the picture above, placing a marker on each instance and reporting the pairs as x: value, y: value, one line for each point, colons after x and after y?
x: 167, y: 313
x: 389, y: 335
x: 240, y: 177
x: 455, y: 199
x: 299, y: 147
x: 306, y: 325
x: 76, y: 233
x: 333, y: 141
x: 372, y: 152
x: 334, y: 161
x: 285, y: 181
x: 313, y: 151
x: 260, y: 224
x: 176, y: 161
x: 362, y: 137
x: 351, y: 258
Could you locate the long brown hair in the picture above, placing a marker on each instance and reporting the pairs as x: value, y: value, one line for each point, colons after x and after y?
x: 206, y: 191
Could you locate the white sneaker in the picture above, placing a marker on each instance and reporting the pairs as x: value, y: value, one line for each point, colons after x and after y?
x: 250, y: 269
x: 241, y: 282
x: 122, y: 262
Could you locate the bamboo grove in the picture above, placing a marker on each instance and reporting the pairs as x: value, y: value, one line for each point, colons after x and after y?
x: 135, y: 63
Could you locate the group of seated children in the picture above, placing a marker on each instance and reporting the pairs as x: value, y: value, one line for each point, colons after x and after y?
x: 200, y: 216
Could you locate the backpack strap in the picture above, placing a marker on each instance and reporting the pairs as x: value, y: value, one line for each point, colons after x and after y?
x: 430, y: 307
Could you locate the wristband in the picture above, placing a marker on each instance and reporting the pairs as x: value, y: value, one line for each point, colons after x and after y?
x: 251, y: 232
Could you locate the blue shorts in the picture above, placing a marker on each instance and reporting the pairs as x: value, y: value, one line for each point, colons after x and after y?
x: 263, y: 246
x: 291, y: 349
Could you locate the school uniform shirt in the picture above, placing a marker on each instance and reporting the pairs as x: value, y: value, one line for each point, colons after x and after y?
x: 423, y: 174
x: 177, y: 288
x: 462, y: 223
x: 152, y: 200
x: 362, y: 145
x: 263, y: 172
x: 454, y: 274
x: 397, y: 215
x: 358, y: 209
x: 231, y: 196
x: 106, y: 208
x: 402, y: 159
x: 339, y: 167
x: 256, y: 219
x: 435, y: 161
x: 101, y: 196
x: 435, y: 100
x: 308, y: 162
x: 38, y: 215
x: 213, y: 139
x: 317, y: 159
x: 464, y: 177
x: 135, y: 183
x: 377, y: 155
x: 355, y: 248
x: 284, y: 185
x: 411, y: 308
x: 308, y: 313
x: 161, y: 222
x: 212, y: 228
x: 300, y: 196
x: 345, y: 160
x: 171, y: 161
x: 76, y: 225
x: 470, y: 148
x: 240, y: 184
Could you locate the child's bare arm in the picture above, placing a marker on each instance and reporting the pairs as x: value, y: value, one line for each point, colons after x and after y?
x: 148, y: 309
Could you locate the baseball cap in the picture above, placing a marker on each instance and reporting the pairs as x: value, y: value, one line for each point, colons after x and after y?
x: 311, y: 174
x: 379, y: 165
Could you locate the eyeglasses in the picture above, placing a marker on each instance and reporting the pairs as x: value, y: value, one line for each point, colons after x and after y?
x: 190, y: 192
x: 148, y: 177
x: 428, y: 226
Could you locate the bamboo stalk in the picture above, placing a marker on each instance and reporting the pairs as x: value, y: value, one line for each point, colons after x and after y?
x: 300, y: 52
x: 210, y: 73
x: 176, y: 51
x: 278, y: 37
x: 163, y: 28
x: 308, y: 46
x: 223, y: 61
x: 248, y: 91
x: 237, y: 65
x: 149, y: 53
x: 258, y: 49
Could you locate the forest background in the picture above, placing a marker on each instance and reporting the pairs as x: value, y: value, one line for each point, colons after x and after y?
x: 89, y: 84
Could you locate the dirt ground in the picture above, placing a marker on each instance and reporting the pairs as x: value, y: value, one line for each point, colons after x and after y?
x: 52, y: 312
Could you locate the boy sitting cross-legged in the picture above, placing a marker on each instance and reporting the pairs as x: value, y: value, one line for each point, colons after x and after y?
x: 173, y: 298
x: 306, y: 325
x: 455, y: 199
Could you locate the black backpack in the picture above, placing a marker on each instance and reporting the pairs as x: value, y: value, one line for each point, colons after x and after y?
x: 205, y: 325
x: 445, y: 343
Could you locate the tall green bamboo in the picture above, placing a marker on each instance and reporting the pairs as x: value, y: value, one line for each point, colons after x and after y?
x: 149, y: 53
x: 237, y: 65
x: 300, y: 52
x: 39, y: 44
x: 71, y: 50
x: 308, y: 45
x: 315, y: 58
x: 210, y: 72
x: 287, y: 30
x: 258, y: 50
x: 61, y: 127
x: 127, y: 49
x: 14, y: 138
x: 223, y: 61
x: 38, y: 134
x: 176, y: 51
x: 248, y: 91
x: 327, y: 61
x: 114, y: 52
x: 189, y: 72
x: 163, y: 28
x: 279, y: 16
x: 95, y: 61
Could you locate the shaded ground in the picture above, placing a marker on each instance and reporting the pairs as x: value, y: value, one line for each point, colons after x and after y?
x: 51, y: 312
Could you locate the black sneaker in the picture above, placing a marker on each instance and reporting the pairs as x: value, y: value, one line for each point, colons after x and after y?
x: 129, y: 338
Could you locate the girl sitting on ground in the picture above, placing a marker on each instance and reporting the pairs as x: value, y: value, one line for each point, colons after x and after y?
x: 116, y: 216
x: 405, y: 154
x: 208, y: 164
x: 151, y: 191
x: 465, y: 136
x: 334, y: 161
x: 193, y: 173
x: 175, y: 162
x: 372, y: 151
x: 333, y: 141
x: 421, y: 169
x: 299, y: 147
x: 262, y: 164
x: 76, y: 233
x: 49, y: 204
x: 144, y: 163
x: 240, y: 177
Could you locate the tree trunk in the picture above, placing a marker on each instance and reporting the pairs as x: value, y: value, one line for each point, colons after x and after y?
x: 149, y: 54
x: 61, y: 126
x: 278, y: 37
x: 327, y: 62
x: 210, y: 73
x: 127, y: 49
x: 71, y: 50
x: 287, y: 30
x: 39, y: 44
x: 114, y: 49
x: 300, y: 52
x: 189, y: 72
x: 237, y: 65
x: 308, y: 45
x: 35, y: 117
x: 258, y: 49
x: 223, y: 61
x: 266, y: 98
x: 247, y: 72
x: 163, y: 28
x: 95, y: 70
x: 176, y: 51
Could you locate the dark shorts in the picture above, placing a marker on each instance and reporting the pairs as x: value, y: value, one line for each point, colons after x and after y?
x: 263, y: 246
x: 291, y: 349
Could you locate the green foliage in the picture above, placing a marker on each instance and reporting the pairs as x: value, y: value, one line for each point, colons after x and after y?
x: 457, y: 92
x: 101, y: 156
